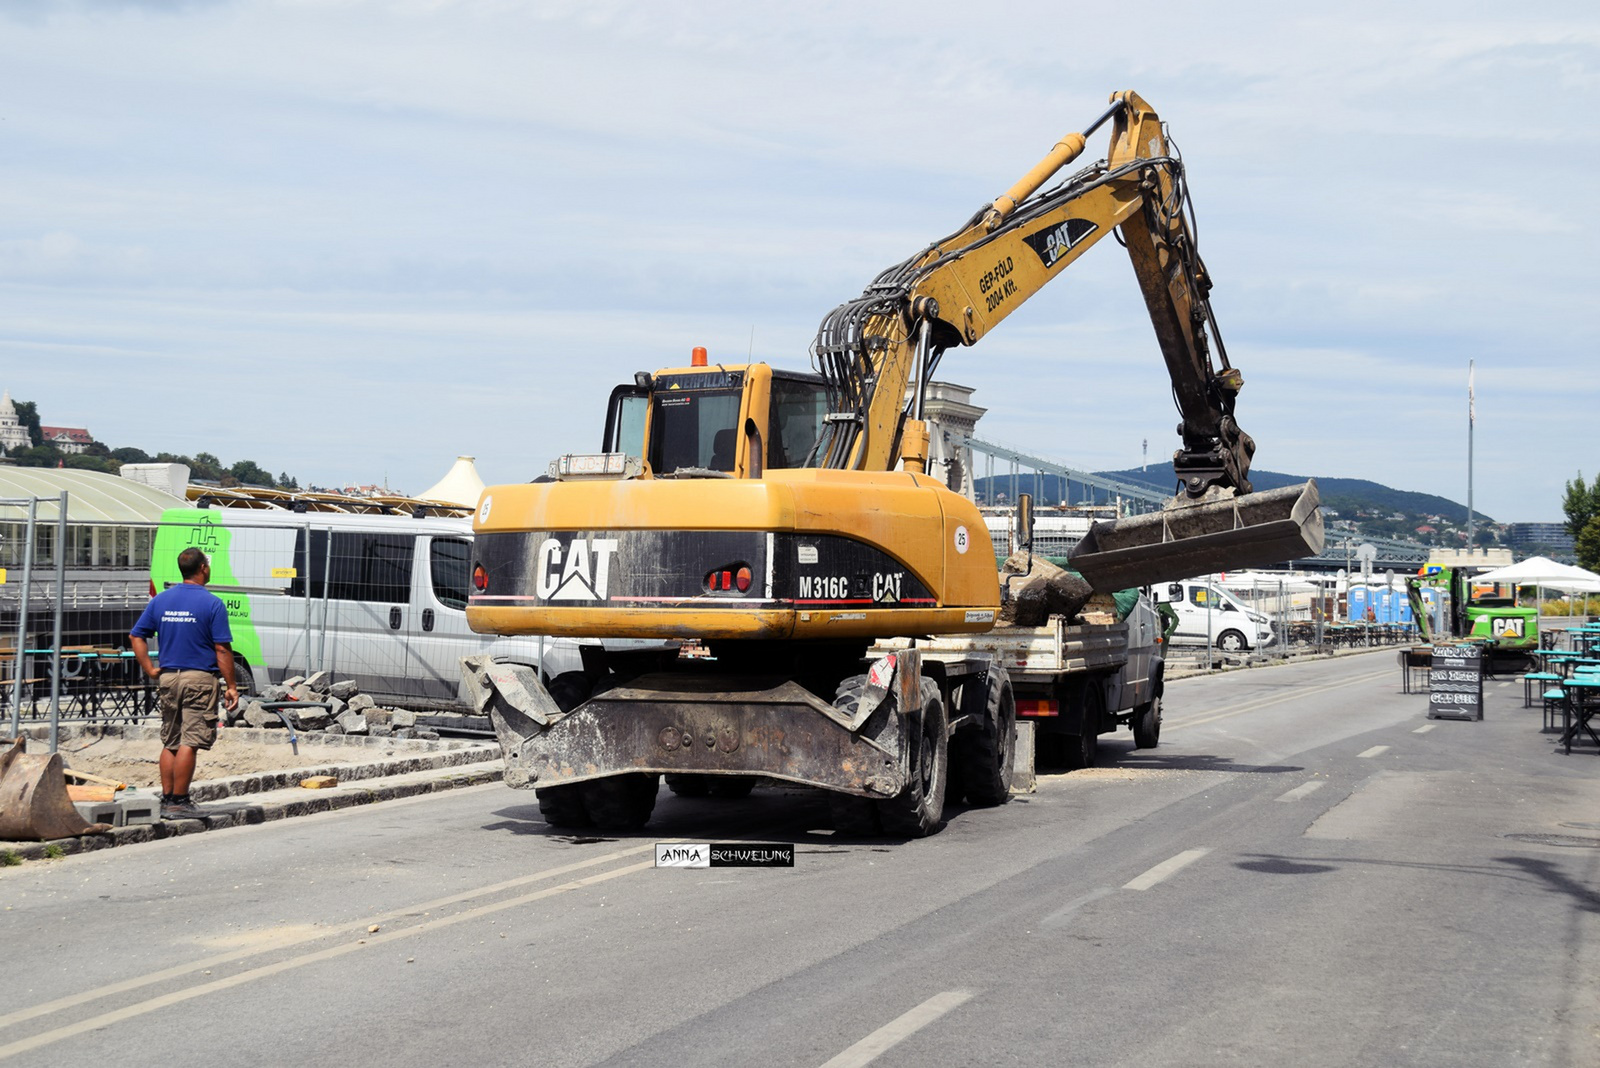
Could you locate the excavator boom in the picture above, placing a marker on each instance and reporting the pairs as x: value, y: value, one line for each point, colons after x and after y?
x: 871, y: 349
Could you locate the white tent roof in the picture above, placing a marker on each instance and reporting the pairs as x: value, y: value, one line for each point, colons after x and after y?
x: 1542, y: 571
x: 460, y: 485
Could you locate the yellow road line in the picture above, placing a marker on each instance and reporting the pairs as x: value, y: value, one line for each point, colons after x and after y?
x: 1293, y: 695
x: 124, y: 985
x: 203, y: 989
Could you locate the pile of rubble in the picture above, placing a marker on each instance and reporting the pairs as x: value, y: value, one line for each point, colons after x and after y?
x: 331, y: 708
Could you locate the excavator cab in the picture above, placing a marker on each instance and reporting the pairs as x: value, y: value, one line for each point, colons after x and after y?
x: 716, y: 422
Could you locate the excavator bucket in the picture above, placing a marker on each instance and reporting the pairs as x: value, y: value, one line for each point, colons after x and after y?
x: 34, y: 805
x: 1187, y: 539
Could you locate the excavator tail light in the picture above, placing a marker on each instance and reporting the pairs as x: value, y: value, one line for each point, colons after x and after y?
x: 742, y: 579
x: 480, y: 579
x: 735, y: 578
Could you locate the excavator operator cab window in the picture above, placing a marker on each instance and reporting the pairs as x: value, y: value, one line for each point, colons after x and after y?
x: 798, y: 405
x: 625, y: 421
x: 694, y: 429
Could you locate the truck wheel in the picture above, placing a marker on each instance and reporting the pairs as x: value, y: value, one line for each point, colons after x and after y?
x: 688, y: 785
x: 989, y: 752
x: 1083, y: 748
x: 1147, y: 724
x: 621, y: 802
x: 1232, y: 641
x: 562, y: 806
x: 730, y: 787
x: 916, y: 811
x: 243, y: 678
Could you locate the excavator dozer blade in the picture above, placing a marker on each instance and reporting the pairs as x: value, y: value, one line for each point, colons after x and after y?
x: 1188, y: 539
x: 34, y: 806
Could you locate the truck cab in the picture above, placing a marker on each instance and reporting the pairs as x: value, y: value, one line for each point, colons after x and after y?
x: 1209, y: 615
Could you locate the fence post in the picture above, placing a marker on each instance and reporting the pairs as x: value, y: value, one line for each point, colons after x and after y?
x: 22, y: 617
x: 55, y: 643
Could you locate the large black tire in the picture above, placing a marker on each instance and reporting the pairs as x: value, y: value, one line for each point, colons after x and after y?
x: 244, y: 679
x: 562, y: 806
x: 730, y: 787
x: 621, y: 802
x: 1083, y: 748
x: 688, y: 785
x: 1233, y: 641
x: 915, y: 812
x: 989, y: 748
x: 1147, y: 724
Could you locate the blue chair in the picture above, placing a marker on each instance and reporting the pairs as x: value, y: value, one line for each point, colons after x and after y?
x: 1555, y: 708
x: 1531, y: 681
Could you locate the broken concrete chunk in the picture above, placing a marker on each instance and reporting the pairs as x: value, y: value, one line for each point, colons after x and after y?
x: 352, y: 722
x: 312, y: 719
x: 360, y: 702
x: 401, y: 718
x: 1040, y: 591
x: 319, y: 682
x: 273, y: 693
x: 344, y: 689
x: 259, y: 717
x: 291, y: 682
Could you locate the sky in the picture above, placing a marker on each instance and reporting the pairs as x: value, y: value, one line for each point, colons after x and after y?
x: 351, y: 239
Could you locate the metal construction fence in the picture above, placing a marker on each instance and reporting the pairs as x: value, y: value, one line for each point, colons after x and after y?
x: 378, y: 600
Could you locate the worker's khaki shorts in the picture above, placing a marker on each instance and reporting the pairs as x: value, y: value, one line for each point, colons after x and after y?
x: 188, y: 702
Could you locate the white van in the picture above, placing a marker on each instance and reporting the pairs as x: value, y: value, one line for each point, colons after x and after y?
x: 1209, y: 615
x: 377, y: 599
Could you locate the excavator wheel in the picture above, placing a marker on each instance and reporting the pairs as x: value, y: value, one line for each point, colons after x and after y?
x: 683, y: 785
x: 34, y: 805
x: 562, y: 806
x: 621, y: 802
x: 917, y: 810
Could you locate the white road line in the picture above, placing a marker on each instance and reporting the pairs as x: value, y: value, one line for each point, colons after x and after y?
x: 1304, y: 790
x: 299, y: 938
x: 1065, y: 912
x: 899, y: 1029
x: 372, y: 941
x: 1164, y: 869
x: 1425, y: 728
x: 1293, y: 695
x: 1376, y: 750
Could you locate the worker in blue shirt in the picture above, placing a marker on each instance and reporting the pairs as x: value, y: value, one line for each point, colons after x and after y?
x: 190, y: 625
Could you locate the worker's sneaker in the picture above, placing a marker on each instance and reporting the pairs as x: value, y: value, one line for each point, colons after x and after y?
x: 179, y: 807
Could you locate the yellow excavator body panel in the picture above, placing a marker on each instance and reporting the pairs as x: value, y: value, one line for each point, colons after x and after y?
x: 819, y: 554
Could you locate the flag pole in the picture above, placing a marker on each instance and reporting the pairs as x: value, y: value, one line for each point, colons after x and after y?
x: 1472, y: 420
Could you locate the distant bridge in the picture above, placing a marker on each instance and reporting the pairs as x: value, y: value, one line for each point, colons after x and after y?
x: 1027, y: 473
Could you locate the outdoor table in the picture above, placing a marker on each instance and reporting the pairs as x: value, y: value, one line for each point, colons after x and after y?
x: 1583, y: 701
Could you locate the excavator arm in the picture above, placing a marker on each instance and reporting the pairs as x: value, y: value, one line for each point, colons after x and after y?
x: 872, y: 349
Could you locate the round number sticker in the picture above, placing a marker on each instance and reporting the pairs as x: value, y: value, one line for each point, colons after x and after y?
x: 483, y: 510
x: 962, y: 541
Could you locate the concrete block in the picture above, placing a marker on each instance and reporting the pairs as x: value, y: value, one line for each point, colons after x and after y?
x: 344, y: 690
x: 401, y: 718
x: 360, y: 702
x: 291, y: 682
x: 304, y: 693
x: 139, y: 806
x: 99, y: 812
x: 319, y: 682
x: 1023, y: 778
x: 311, y: 719
x: 353, y: 722
x: 274, y: 693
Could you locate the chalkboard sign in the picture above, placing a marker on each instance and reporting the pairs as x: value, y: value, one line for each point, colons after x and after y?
x: 1455, y: 682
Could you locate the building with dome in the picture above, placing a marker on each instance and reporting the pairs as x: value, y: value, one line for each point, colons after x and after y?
x: 13, y: 435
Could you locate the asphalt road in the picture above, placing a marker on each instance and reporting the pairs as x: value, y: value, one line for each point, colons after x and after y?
x: 1307, y: 872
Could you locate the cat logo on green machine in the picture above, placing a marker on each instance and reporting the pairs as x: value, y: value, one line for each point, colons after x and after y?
x: 183, y: 528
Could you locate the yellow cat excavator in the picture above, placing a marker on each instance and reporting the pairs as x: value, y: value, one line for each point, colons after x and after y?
x: 785, y: 521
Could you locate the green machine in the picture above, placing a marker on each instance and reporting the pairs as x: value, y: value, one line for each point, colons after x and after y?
x: 1447, y: 604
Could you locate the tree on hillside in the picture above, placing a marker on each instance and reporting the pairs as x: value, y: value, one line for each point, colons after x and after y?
x: 285, y: 482
x: 1581, y: 503
x: 129, y: 455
